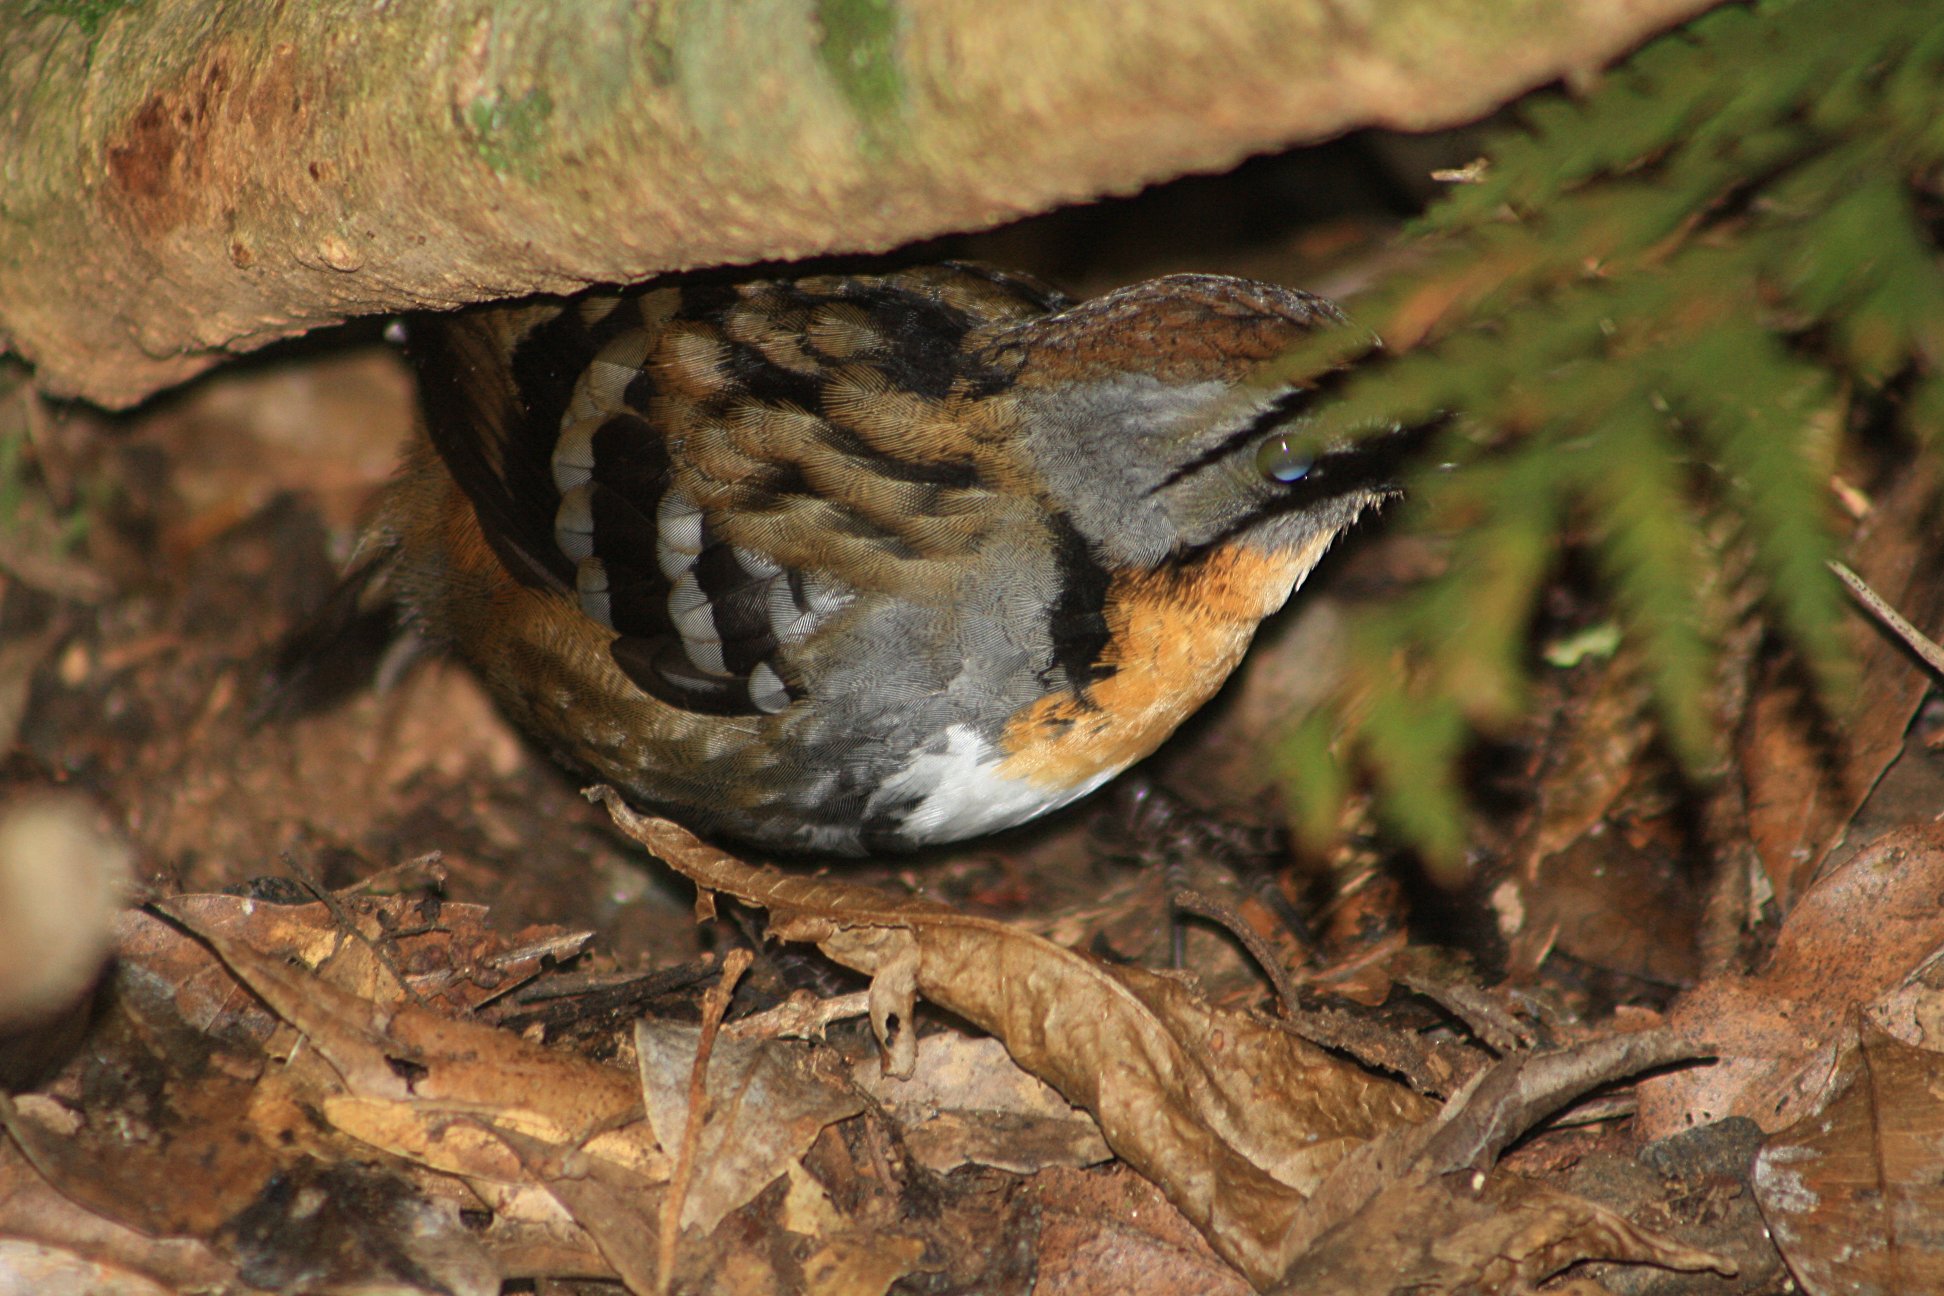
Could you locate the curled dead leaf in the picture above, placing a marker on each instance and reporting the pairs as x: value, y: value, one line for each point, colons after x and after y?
x: 1854, y: 1192
x: 1236, y: 1120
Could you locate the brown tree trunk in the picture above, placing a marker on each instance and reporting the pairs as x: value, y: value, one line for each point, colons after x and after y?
x: 186, y: 179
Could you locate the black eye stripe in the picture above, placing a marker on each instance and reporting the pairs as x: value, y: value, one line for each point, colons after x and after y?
x: 1373, y: 465
x: 1288, y: 406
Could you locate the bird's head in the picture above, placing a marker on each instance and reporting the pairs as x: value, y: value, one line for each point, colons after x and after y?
x: 1153, y: 417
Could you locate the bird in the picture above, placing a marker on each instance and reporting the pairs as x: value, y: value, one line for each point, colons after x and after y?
x: 859, y: 563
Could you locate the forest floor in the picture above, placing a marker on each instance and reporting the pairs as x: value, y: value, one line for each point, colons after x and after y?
x: 399, y: 1003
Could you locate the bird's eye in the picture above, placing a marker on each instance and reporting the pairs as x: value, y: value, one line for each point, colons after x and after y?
x: 1282, y: 459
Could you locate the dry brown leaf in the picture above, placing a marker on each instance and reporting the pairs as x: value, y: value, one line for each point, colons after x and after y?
x: 329, y: 428
x: 1609, y: 905
x: 382, y: 948
x: 1433, y: 1066
x: 408, y: 1055
x: 1578, y: 883
x: 1418, y: 1210
x: 1206, y: 1103
x: 1856, y: 936
x: 351, y: 1226
x: 612, y: 1208
x: 767, y: 1101
x: 168, y: 1126
x: 1236, y: 1120
x: 540, y: 1135
x: 30, y: 1269
x: 67, y: 1237
x: 1854, y: 1192
x: 1110, y: 1232
x: 288, y: 1222
x: 969, y: 1102
x: 192, y: 1130
x: 862, y: 1264
x: 1593, y: 757
x: 1799, y: 798
x: 184, y: 1167
x: 807, y: 1209
x: 1474, y: 1234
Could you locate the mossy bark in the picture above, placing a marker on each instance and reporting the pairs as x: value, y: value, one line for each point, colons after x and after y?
x: 187, y: 179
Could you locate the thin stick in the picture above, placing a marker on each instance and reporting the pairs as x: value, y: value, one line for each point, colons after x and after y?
x: 1207, y: 906
x: 1916, y: 640
x: 715, y: 1003
x: 348, y: 926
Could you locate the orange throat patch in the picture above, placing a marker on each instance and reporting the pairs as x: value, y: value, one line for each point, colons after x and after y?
x: 1175, y: 637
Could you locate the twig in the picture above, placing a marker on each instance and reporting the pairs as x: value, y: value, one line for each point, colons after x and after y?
x: 1916, y: 640
x: 715, y: 1003
x: 1487, y: 1019
x: 348, y: 925
x: 1225, y: 915
x: 801, y: 1016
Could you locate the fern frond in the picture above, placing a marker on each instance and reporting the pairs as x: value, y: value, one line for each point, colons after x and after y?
x: 1646, y: 318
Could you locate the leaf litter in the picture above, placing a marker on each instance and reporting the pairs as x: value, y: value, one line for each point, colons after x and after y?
x: 445, y: 1033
